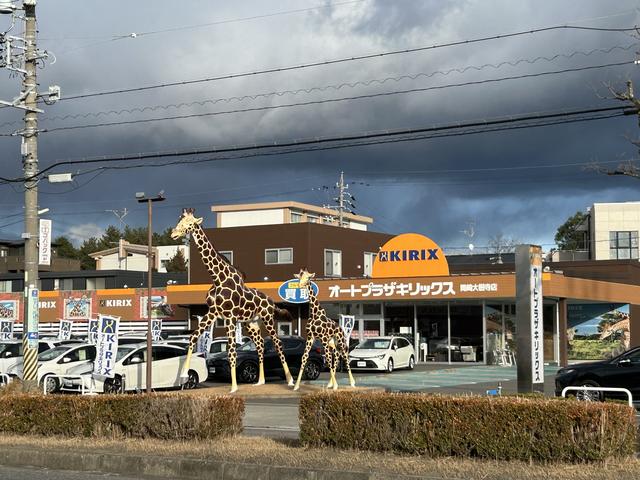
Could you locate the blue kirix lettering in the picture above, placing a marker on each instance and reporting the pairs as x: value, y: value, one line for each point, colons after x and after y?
x: 408, y: 255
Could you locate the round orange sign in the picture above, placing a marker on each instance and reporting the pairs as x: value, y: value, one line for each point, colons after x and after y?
x: 410, y: 255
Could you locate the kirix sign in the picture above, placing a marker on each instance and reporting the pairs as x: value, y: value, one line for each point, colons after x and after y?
x: 410, y: 255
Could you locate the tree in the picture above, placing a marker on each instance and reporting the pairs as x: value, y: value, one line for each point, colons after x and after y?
x: 65, y: 248
x: 177, y: 263
x: 568, y: 237
x: 90, y: 245
x: 110, y: 238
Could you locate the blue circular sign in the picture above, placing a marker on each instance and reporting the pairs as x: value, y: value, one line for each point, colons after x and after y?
x: 291, y: 292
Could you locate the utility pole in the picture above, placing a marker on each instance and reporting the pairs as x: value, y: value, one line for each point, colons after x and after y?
x: 341, y: 189
x: 345, y: 201
x: 29, y: 152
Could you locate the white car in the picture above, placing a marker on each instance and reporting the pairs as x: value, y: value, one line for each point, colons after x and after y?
x: 58, y: 361
x: 11, y: 352
x: 383, y: 353
x: 131, y: 370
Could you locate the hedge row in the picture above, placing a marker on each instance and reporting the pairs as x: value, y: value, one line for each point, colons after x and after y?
x: 481, y: 427
x: 171, y: 417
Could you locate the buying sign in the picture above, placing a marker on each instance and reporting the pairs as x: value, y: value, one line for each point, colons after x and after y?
x: 106, y: 346
x: 290, y: 291
x: 410, y: 255
x: 6, y: 329
x: 44, y: 245
x: 537, y: 346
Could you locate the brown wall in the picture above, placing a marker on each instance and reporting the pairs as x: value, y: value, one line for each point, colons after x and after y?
x: 308, y: 241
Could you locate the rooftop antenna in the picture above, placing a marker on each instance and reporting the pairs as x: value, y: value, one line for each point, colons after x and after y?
x: 120, y: 214
x: 470, y: 232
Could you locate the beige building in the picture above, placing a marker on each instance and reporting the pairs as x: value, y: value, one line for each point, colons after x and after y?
x: 278, y: 213
x: 132, y: 257
x: 611, y: 232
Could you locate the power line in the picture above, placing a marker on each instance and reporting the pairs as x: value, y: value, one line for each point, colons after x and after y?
x: 347, y: 59
x: 328, y: 101
x: 379, y: 137
x: 339, y: 86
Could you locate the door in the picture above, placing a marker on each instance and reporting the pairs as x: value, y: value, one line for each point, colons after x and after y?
x: 134, y: 370
x: 626, y: 373
x: 165, y: 367
x: 406, y: 350
x: 79, y: 356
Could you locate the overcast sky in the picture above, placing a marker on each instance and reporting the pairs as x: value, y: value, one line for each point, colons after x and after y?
x: 433, y: 186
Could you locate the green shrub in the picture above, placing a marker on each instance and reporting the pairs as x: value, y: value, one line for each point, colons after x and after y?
x: 171, y: 417
x: 482, y: 427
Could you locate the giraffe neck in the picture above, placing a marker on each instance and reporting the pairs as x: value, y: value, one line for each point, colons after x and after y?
x: 217, y: 267
x: 313, y: 300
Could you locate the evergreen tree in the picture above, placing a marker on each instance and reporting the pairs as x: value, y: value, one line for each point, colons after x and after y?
x: 177, y: 263
x: 568, y: 237
x: 90, y: 245
x: 64, y: 248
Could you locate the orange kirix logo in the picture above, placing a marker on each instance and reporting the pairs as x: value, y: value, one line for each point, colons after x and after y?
x: 410, y: 255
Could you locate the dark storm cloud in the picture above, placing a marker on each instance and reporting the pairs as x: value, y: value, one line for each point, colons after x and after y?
x: 527, y: 204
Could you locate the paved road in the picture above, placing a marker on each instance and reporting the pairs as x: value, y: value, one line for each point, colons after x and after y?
x: 28, y: 473
x: 275, y: 418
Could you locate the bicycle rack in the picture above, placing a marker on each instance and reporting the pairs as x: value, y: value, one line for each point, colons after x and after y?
x: 84, y: 390
x: 598, y: 389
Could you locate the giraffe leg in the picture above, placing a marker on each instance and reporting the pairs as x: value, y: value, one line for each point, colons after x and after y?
x: 344, y: 353
x: 329, y: 356
x: 334, y: 365
x: 193, y: 340
x: 269, y: 324
x: 231, y: 353
x: 305, y: 357
x: 254, y: 332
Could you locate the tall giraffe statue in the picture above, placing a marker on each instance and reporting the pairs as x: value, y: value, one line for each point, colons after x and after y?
x: 229, y: 298
x: 326, y: 330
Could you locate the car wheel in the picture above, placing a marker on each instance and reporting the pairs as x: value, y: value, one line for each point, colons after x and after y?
x: 389, y: 366
x: 412, y: 363
x: 114, y: 385
x: 311, y: 370
x: 588, y: 396
x: 50, y: 384
x: 192, y: 380
x: 248, y: 372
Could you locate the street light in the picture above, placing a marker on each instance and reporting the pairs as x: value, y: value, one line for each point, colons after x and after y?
x: 140, y: 196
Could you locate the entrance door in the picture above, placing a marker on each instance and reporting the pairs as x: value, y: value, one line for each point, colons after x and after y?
x: 432, y: 333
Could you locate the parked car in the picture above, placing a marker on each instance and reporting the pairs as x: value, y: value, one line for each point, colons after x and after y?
x: 58, y: 361
x: 11, y: 351
x: 383, y: 353
x: 131, y: 367
x: 622, y: 371
x: 247, y: 360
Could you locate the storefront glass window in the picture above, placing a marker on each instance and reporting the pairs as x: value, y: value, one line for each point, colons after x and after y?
x: 495, y: 337
x: 398, y: 320
x: 371, y: 308
x: 432, y: 332
x: 466, y: 333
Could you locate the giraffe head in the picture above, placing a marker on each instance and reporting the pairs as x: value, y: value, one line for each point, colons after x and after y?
x: 187, y: 224
x: 304, y: 276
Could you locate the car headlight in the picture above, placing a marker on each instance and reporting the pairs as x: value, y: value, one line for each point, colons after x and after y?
x: 380, y: 356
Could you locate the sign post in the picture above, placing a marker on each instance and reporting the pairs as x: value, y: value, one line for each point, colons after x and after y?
x: 529, y: 320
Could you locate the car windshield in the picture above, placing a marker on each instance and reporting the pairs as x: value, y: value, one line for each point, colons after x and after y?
x: 123, y: 351
x: 374, y: 344
x: 52, y: 353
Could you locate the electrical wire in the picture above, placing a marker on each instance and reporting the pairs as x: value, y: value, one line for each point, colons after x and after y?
x: 335, y: 87
x: 346, y: 59
x: 326, y: 101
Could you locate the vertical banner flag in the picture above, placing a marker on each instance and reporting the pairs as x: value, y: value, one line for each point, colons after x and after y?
x: 32, y: 318
x: 239, y: 333
x: 537, y: 333
x: 64, y: 331
x: 204, y: 341
x: 6, y: 329
x: 156, y: 329
x: 106, y: 346
x: 347, y: 322
x: 44, y: 247
x: 92, y: 331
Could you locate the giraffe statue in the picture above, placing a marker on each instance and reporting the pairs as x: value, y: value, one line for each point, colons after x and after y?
x: 326, y: 330
x: 230, y: 299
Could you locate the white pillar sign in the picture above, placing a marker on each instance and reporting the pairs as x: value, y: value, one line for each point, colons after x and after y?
x: 537, y: 333
x: 347, y: 323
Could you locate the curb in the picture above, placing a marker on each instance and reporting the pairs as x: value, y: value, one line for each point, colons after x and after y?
x: 173, y: 467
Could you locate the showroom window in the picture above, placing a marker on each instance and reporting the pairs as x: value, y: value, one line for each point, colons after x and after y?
x: 228, y: 254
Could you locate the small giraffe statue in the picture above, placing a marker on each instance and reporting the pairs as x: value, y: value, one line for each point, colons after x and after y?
x: 229, y: 298
x: 327, y: 331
